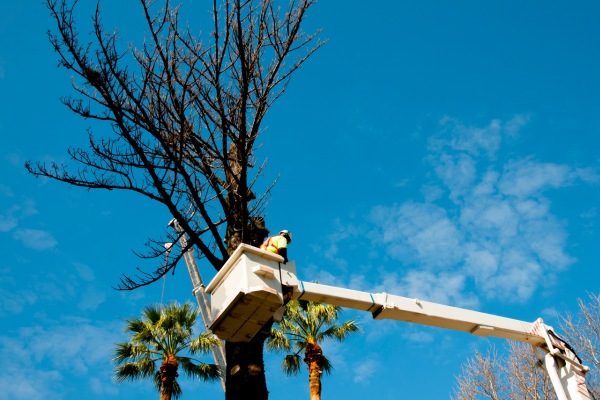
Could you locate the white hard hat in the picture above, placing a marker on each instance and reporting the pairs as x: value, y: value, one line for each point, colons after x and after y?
x: 286, y: 233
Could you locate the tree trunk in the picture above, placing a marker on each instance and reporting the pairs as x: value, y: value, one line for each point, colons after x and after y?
x: 314, y: 381
x: 245, y: 377
x: 313, y: 357
x: 168, y: 373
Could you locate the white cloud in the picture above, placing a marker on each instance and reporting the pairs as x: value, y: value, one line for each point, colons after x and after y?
x: 7, y: 223
x: 9, y: 220
x: 22, y: 383
x: 85, y: 345
x: 35, y: 239
x: 457, y: 173
x: 529, y: 178
x: 102, y: 386
x: 589, y: 214
x: 473, y: 141
x: 14, y: 298
x: 15, y: 302
x: 440, y: 287
x: 483, y: 220
x: 84, y: 272
x: 513, y: 126
x: 91, y: 299
x: 364, y: 371
x: 6, y: 191
x: 51, y: 355
x: 419, y: 336
x: 550, y: 313
x: 420, y: 233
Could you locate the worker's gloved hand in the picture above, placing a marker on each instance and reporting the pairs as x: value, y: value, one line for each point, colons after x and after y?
x: 283, y: 253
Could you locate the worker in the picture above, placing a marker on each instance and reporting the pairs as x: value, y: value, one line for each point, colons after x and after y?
x: 278, y: 244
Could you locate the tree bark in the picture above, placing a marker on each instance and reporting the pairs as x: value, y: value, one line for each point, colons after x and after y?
x: 168, y: 373
x: 246, y: 368
x: 314, y: 357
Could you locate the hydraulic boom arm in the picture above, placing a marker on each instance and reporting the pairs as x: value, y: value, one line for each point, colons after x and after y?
x: 249, y: 290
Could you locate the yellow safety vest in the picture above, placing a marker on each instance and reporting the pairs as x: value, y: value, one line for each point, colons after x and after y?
x: 274, y: 243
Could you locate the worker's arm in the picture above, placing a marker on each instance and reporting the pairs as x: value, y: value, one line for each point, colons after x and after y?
x: 283, y: 253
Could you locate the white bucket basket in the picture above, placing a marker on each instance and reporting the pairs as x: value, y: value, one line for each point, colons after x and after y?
x: 247, y: 292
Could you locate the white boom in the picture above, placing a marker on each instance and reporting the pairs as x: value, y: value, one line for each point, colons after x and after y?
x: 249, y: 290
x: 199, y: 293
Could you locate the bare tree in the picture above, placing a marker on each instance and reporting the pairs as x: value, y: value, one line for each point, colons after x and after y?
x: 583, y: 333
x: 185, y: 113
x: 478, y: 378
x: 516, y: 375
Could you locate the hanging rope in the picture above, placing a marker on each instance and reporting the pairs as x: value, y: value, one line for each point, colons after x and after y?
x: 167, y: 251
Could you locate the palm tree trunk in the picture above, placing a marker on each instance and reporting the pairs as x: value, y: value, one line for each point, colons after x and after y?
x: 168, y: 373
x: 313, y: 357
x: 165, y: 394
x: 314, y: 381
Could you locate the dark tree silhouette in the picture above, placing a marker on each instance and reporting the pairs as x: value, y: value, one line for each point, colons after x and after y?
x: 184, y: 114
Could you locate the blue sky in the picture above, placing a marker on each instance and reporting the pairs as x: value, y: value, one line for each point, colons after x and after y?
x: 440, y: 150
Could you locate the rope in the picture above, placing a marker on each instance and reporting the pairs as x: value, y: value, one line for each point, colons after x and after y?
x: 167, y: 251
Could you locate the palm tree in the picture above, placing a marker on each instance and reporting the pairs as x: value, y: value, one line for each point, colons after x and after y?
x: 162, y: 335
x: 305, y: 326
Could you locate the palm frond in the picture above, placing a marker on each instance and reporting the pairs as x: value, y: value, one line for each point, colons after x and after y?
x: 291, y: 364
x: 131, y: 351
x: 203, y: 343
x: 202, y: 371
x: 157, y: 381
x: 339, y: 332
x: 347, y: 328
x: 306, y: 323
x: 326, y: 366
x: 127, y: 371
x: 161, y: 332
x: 176, y: 390
x: 134, y: 370
x: 278, y: 341
x: 152, y: 313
